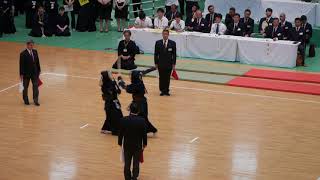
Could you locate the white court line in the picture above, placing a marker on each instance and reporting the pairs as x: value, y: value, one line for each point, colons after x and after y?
x: 195, y: 89
x: 84, y: 126
x: 193, y: 140
x: 5, y: 89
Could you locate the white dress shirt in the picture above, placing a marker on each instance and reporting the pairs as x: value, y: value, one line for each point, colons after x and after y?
x: 147, y: 23
x: 160, y: 23
x: 222, y: 28
x: 171, y: 2
x: 178, y: 26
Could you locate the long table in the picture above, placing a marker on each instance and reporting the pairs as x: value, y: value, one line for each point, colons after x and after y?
x: 227, y: 48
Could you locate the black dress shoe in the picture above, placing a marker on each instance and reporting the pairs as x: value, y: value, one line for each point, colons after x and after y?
x: 26, y: 103
x: 167, y: 94
x: 162, y: 94
x: 36, y: 103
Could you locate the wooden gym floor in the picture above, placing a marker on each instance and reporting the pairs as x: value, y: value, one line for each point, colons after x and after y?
x: 206, y: 132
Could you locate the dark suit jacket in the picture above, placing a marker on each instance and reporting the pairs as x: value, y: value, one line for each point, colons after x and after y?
x: 210, y: 20
x: 297, y: 35
x: 308, y: 32
x: 171, y: 16
x: 133, y: 132
x: 238, y: 31
x: 200, y: 27
x: 248, y: 26
x: 228, y: 20
x: 286, y: 29
x: 264, y: 19
x: 270, y: 33
x: 29, y: 66
x: 165, y: 58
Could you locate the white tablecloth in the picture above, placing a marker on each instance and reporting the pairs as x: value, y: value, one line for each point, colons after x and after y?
x: 267, y: 52
x: 291, y: 8
x: 190, y: 44
x: 209, y: 46
x: 227, y: 48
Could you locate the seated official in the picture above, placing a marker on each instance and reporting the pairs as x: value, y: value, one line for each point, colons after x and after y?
x: 236, y: 28
x: 63, y: 23
x: 266, y: 21
x: 160, y: 22
x: 218, y: 27
x: 40, y: 27
x: 248, y: 23
x: 229, y: 16
x: 178, y: 24
x: 170, y: 15
x: 142, y: 21
x: 286, y: 26
x: 211, y: 16
x: 190, y: 18
x: 275, y: 31
x: 126, y: 53
x: 198, y: 23
x: 307, y: 28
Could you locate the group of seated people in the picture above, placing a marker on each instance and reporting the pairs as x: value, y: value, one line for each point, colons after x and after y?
x: 235, y: 25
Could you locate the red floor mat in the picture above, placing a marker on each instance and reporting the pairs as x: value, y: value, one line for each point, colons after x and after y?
x: 276, y: 85
x: 283, y: 75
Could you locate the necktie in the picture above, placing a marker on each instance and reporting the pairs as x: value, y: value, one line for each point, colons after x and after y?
x: 165, y: 43
x: 210, y: 18
x: 217, y: 29
x: 32, y: 55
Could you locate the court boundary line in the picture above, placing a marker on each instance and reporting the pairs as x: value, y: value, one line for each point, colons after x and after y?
x: 182, y: 87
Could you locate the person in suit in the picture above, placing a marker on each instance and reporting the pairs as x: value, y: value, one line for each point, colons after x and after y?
x: 110, y: 91
x: 199, y: 24
x: 236, y: 28
x: 30, y: 70
x: 218, y: 27
x: 138, y: 91
x: 133, y: 139
x: 178, y: 24
x: 307, y: 28
x: 126, y: 52
x: 189, y: 5
x: 229, y: 16
x: 190, y: 19
x: 165, y: 55
x: 248, y: 23
x: 211, y: 16
x: 170, y: 15
x: 298, y: 35
x: 274, y: 32
x: 286, y: 26
x: 63, y: 23
x: 266, y: 21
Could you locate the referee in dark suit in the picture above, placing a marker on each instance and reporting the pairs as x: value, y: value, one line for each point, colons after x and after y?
x: 165, y: 55
x: 30, y: 70
x: 133, y: 137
